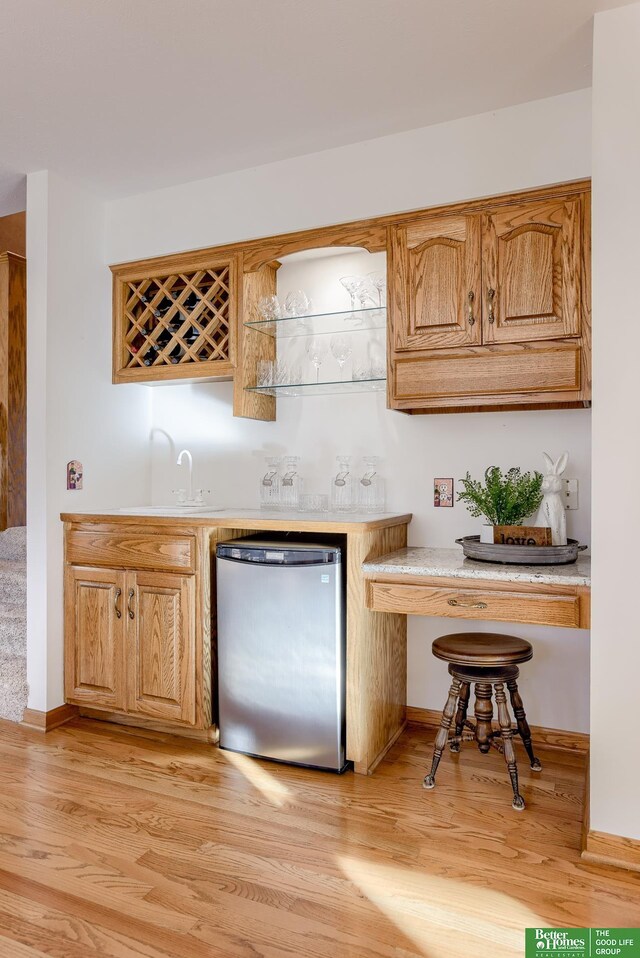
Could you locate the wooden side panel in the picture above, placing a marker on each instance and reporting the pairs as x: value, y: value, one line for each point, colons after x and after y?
x: 161, y: 646
x: 253, y: 346
x: 376, y: 657
x: 434, y: 282
x: 94, y: 638
x: 165, y: 553
x: 531, y: 260
x: 13, y: 391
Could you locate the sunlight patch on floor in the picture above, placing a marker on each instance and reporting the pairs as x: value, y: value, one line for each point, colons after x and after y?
x: 444, y: 917
x: 266, y: 783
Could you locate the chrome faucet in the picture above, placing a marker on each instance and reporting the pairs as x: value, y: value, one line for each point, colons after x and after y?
x: 185, y: 452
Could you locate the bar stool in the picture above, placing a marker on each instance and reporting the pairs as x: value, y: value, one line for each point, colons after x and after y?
x: 487, y: 660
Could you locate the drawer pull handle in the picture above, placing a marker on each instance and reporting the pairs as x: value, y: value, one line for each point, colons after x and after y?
x: 491, y: 295
x: 470, y: 299
x: 115, y: 603
x: 467, y: 605
x: 129, y: 609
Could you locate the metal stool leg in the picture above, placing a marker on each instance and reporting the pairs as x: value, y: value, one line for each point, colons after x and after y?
x: 443, y: 733
x: 504, y: 721
x: 523, y: 726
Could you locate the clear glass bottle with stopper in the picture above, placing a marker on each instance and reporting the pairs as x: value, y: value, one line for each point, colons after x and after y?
x: 371, y: 486
x: 270, y: 485
x: 290, y: 484
x: 342, y: 486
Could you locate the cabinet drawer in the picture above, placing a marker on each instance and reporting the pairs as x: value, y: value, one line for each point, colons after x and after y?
x: 557, y: 610
x: 555, y: 368
x: 124, y: 550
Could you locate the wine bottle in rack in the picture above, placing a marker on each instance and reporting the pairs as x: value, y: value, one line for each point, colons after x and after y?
x: 150, y: 356
x: 176, y: 354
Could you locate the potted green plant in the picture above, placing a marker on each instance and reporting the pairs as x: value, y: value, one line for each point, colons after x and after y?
x: 504, y: 499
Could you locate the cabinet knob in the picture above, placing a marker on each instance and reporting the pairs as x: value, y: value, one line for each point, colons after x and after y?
x: 491, y: 295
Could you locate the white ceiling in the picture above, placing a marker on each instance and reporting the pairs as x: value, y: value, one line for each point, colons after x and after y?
x: 131, y: 95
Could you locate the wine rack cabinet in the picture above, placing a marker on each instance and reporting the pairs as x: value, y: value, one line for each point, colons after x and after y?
x: 175, y: 319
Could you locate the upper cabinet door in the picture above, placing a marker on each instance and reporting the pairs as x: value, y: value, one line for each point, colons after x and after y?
x: 161, y: 645
x: 434, y: 282
x: 531, y: 271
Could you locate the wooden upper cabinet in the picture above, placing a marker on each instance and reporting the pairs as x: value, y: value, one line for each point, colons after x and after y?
x: 531, y: 271
x: 435, y: 287
x: 94, y: 638
x: 161, y: 646
x: 175, y: 318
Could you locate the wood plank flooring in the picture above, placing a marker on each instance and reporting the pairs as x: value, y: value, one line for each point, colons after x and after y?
x: 128, y: 844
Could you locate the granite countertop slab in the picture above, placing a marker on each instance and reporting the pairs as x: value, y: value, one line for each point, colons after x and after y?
x: 451, y: 563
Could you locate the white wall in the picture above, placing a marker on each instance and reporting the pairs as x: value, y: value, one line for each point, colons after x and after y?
x: 615, y: 746
x: 73, y: 410
x: 537, y: 143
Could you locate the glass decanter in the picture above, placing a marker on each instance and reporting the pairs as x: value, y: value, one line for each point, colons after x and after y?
x: 371, y: 486
x: 342, y: 486
x: 290, y: 484
x: 270, y: 485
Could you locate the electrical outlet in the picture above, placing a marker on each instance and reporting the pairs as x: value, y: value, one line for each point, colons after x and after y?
x: 571, y: 493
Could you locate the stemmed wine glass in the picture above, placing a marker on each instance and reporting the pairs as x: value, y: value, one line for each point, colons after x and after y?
x: 297, y: 303
x: 342, y: 350
x: 269, y: 308
x: 352, y: 285
x: 316, y: 351
x: 379, y: 282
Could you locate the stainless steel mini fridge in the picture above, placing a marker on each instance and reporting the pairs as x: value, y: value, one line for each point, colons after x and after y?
x: 281, y: 651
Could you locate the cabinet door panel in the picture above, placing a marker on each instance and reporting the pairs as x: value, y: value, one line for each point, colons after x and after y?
x: 161, y: 640
x: 434, y: 282
x: 531, y: 260
x: 94, y: 638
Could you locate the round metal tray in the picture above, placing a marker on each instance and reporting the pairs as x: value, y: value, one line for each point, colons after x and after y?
x: 520, y: 555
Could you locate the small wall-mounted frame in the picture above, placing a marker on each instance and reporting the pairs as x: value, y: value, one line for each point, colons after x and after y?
x: 74, y: 475
x: 443, y: 493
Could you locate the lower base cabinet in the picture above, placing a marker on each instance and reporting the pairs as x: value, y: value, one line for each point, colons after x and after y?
x: 130, y: 642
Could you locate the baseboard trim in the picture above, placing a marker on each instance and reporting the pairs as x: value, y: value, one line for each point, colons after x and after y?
x: 47, y: 721
x: 601, y: 848
x: 550, y: 737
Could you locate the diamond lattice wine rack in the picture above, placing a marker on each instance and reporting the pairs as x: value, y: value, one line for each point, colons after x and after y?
x: 175, y: 324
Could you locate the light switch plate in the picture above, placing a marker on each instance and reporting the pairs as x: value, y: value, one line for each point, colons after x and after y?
x: 571, y: 493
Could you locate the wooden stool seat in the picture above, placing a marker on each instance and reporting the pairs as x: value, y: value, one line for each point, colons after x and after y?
x: 482, y: 649
x: 472, y: 674
x: 488, y: 661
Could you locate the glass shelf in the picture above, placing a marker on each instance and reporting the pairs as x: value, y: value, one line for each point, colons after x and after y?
x: 322, y: 389
x: 353, y: 321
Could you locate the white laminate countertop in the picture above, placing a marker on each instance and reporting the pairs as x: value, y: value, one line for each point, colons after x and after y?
x: 451, y: 563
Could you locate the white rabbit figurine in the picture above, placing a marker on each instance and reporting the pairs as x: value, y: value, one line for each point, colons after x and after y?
x: 552, y: 508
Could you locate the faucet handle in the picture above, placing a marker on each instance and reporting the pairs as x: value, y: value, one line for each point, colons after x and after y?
x: 181, y: 494
x: 200, y: 494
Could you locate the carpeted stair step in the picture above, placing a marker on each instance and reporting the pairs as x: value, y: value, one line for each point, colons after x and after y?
x: 13, y: 582
x: 13, y: 687
x: 13, y: 544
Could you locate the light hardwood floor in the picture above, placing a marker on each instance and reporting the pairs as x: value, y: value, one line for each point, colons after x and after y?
x: 117, y: 842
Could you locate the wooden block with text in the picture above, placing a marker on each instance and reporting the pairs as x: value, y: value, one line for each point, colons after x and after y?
x: 522, y: 535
